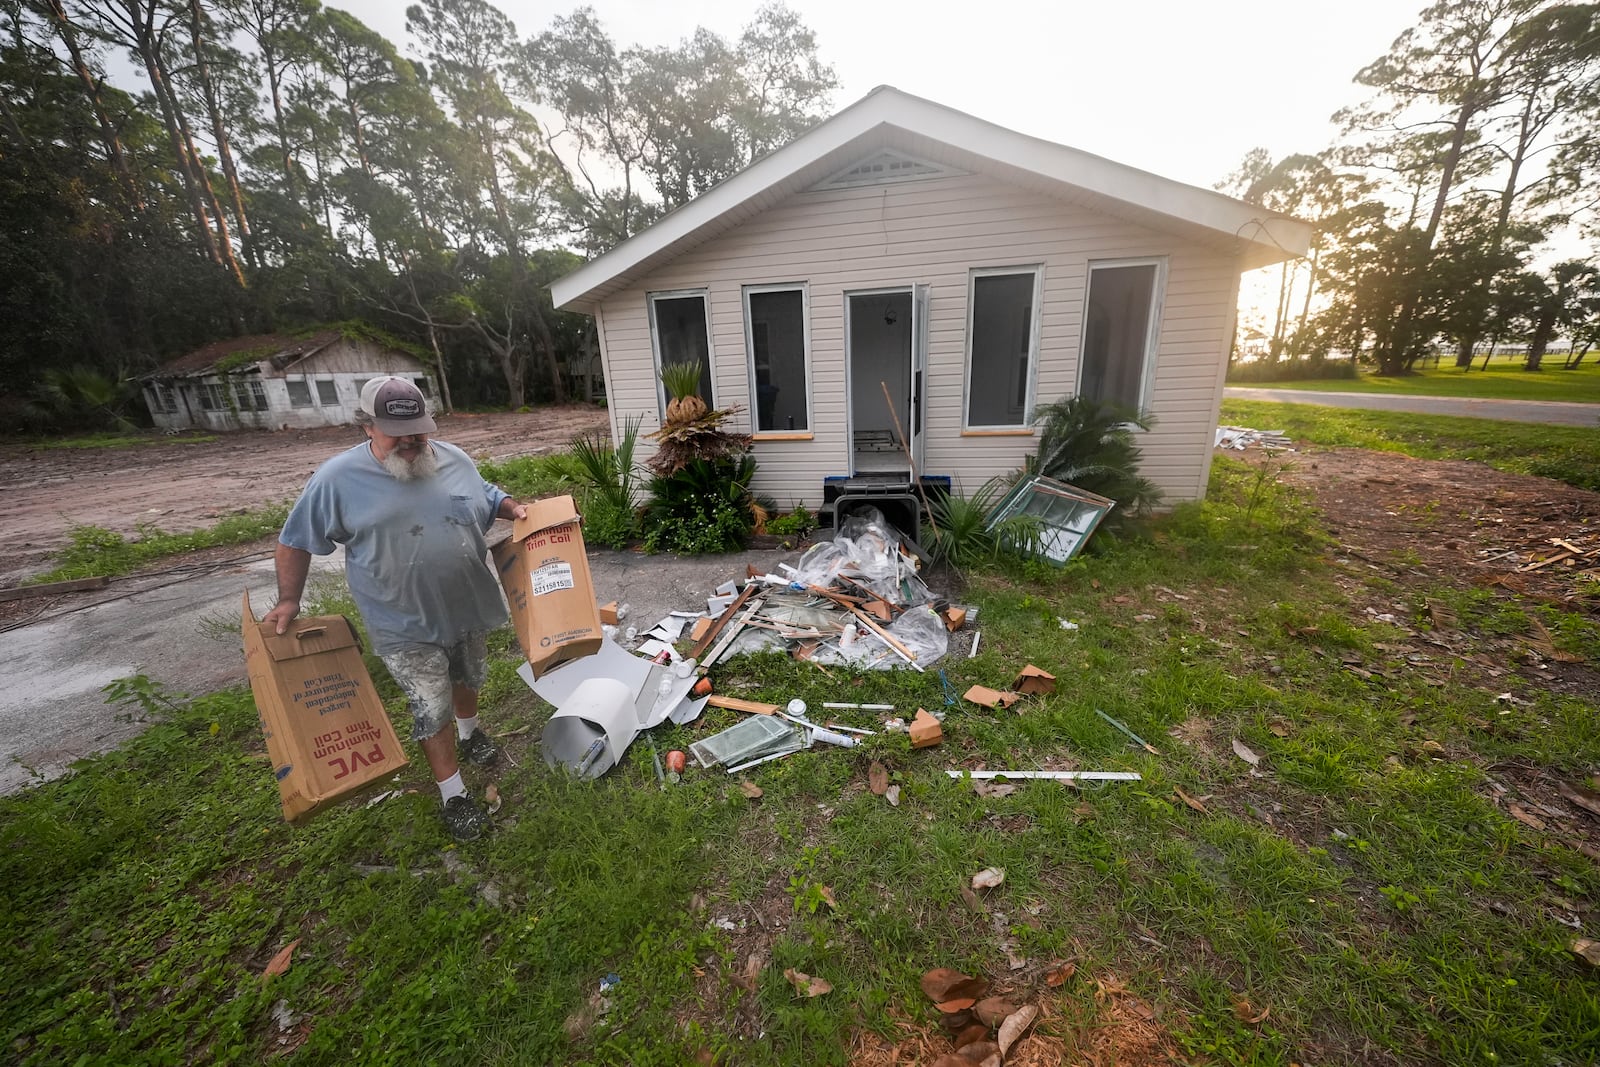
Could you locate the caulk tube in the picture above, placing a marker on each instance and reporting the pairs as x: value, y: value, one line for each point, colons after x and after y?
x: 818, y: 733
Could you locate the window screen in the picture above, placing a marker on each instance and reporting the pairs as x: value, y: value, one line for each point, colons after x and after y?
x: 1116, y: 334
x: 778, y: 359
x: 1000, y: 349
x: 299, y: 394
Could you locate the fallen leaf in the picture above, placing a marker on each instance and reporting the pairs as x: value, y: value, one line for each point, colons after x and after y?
x: 993, y: 1010
x: 972, y: 900
x: 1242, y: 750
x: 752, y: 971
x: 951, y: 1059
x: 805, y: 985
x: 1541, y: 640
x: 491, y: 797
x: 1587, y: 799
x: 1586, y: 950
x: 981, y: 1053
x: 280, y: 962
x: 1524, y: 817
x: 942, y: 983
x: 988, y: 878
x: 1279, y: 728
x: 1443, y: 618
x: 989, y: 788
x: 950, y: 1007
x: 1060, y: 973
x: 751, y: 790
x: 970, y: 1034
x: 1015, y: 1026
x: 893, y: 796
x: 1246, y: 1013
x: 826, y: 893
x: 1191, y: 801
x: 1144, y: 618
x: 878, y: 779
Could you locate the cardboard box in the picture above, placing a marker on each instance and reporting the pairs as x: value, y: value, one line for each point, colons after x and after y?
x: 1033, y: 681
x: 327, y: 732
x: 992, y: 698
x: 608, y: 614
x: 925, y: 730
x: 545, y: 571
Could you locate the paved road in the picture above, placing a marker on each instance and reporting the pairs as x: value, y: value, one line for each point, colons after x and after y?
x: 1545, y: 411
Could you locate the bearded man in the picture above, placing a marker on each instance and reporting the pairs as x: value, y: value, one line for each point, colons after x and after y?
x: 411, y: 514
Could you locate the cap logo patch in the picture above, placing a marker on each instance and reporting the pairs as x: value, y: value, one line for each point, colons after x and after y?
x: 402, y: 408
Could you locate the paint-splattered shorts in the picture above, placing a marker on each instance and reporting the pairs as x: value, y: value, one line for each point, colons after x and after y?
x: 427, y: 675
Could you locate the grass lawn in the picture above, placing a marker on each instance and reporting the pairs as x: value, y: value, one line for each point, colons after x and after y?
x: 1569, y: 454
x: 1359, y: 896
x: 135, y: 439
x: 1503, y: 380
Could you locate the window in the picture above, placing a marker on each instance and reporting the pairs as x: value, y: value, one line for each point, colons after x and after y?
x: 1119, y: 330
x: 680, y: 333
x: 299, y: 394
x: 163, y: 400
x: 1001, y: 338
x: 776, y: 318
x: 327, y: 393
x: 246, y: 394
x: 422, y: 386
x: 211, y: 397
x: 1065, y: 515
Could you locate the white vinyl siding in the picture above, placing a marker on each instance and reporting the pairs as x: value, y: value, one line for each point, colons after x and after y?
x: 935, y: 232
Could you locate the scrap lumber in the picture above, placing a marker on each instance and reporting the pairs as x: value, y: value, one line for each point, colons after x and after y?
x: 753, y: 707
x: 722, y: 620
x: 731, y: 632
x: 24, y: 592
x: 888, y: 639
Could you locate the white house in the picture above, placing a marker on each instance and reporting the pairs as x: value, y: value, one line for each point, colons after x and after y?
x: 967, y: 270
x: 274, y: 381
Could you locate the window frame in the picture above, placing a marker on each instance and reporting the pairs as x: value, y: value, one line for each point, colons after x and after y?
x: 1158, y: 295
x: 333, y: 387
x: 304, y: 383
x: 650, y: 299
x: 1035, y: 336
x: 746, y: 292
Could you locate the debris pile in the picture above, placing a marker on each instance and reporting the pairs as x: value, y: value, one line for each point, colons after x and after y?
x: 982, y: 1028
x: 1240, y: 438
x: 856, y: 600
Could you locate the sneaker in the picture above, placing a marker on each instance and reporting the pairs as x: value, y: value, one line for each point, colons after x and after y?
x: 464, y: 819
x: 478, y: 749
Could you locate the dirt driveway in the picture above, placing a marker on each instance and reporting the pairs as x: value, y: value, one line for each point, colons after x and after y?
x: 180, y: 487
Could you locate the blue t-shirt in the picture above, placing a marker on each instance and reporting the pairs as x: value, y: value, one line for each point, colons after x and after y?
x: 414, y: 551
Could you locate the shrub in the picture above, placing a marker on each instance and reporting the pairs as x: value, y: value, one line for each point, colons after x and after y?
x: 796, y: 523
x: 1092, y: 445
x: 703, y: 507
x: 960, y: 534
x: 611, y: 478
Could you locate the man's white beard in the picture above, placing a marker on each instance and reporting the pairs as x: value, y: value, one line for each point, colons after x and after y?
x: 426, y: 465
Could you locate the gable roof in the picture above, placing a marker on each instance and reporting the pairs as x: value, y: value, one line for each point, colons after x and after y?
x: 279, y: 347
x: 918, y: 127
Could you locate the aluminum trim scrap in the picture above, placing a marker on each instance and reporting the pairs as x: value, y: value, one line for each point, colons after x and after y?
x: 1060, y: 776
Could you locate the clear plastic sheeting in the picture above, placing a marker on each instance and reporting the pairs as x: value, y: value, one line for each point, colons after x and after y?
x: 867, y: 554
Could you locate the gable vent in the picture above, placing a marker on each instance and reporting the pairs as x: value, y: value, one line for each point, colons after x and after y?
x: 885, y: 167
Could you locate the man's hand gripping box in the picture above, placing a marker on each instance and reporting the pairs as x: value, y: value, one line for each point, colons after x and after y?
x: 327, y: 733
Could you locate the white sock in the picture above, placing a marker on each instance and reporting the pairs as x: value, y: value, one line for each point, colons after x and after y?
x: 452, y: 786
x: 465, y: 727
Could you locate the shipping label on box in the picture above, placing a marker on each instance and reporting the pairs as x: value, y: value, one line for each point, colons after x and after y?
x: 544, y: 569
x: 326, y: 729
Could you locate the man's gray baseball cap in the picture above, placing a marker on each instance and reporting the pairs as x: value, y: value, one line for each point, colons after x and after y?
x: 397, y: 407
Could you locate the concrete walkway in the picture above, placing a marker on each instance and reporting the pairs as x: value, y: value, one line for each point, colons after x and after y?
x: 180, y: 629
x: 1550, y: 412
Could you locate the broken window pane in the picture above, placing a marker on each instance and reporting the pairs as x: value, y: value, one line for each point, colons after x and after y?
x: 1117, y: 334
x: 778, y: 358
x: 1065, y: 514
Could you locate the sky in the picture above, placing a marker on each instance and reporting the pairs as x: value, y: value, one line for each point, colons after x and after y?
x: 1182, y: 88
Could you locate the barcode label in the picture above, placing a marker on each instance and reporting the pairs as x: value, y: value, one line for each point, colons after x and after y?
x: 551, y: 578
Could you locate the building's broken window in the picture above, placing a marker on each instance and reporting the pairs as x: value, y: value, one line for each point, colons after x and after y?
x: 327, y: 393
x: 1119, y: 333
x: 299, y: 394
x: 1000, y: 346
x: 780, y: 396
